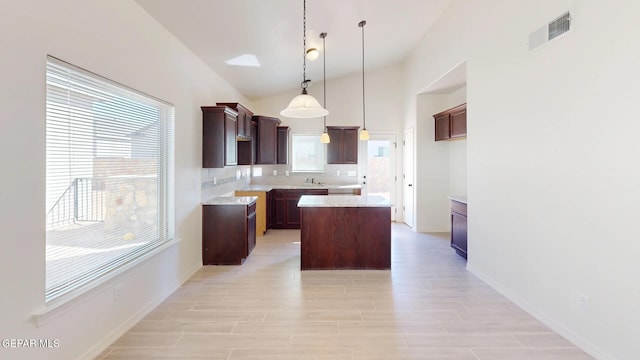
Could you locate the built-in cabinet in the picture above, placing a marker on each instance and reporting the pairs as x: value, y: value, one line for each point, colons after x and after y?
x: 244, y: 120
x: 228, y: 233
x: 219, y: 146
x: 343, y: 148
x: 459, y: 227
x: 451, y: 123
x: 285, y: 212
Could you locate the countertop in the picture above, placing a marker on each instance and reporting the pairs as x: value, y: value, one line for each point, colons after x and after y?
x: 459, y: 198
x: 300, y: 186
x: 342, y: 201
x: 231, y: 200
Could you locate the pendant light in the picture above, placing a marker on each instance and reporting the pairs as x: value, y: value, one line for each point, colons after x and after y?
x: 324, y: 138
x: 304, y: 105
x: 364, y: 134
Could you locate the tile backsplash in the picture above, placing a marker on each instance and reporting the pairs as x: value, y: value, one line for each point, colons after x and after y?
x: 223, y: 182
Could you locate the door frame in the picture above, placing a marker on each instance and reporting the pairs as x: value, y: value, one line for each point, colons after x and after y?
x: 409, y: 166
x: 363, y: 164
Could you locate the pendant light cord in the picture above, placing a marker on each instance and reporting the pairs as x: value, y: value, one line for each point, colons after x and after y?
x: 304, y: 46
x: 324, y: 77
x: 364, y: 126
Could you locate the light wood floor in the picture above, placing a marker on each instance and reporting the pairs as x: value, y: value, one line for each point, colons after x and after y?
x: 427, y: 307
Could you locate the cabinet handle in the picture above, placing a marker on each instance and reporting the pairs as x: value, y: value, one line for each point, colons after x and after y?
x: 410, y: 184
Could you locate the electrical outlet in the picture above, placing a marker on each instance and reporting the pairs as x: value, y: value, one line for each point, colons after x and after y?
x: 275, y: 172
x: 583, y: 302
x: 117, y: 291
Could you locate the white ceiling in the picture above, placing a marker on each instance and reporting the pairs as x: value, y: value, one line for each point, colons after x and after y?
x: 220, y: 30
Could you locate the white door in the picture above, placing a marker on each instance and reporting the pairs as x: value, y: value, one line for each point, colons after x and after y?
x: 381, y: 168
x: 408, y: 179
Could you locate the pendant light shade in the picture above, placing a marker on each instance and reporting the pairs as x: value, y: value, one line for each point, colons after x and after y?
x: 364, y: 133
x: 304, y: 105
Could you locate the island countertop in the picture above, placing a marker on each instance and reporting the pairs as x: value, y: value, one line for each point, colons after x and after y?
x: 342, y: 201
x: 459, y: 198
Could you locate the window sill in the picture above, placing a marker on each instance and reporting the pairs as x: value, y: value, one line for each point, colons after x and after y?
x: 66, y: 302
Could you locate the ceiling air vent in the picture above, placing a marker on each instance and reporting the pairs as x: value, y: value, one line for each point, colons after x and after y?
x: 555, y: 28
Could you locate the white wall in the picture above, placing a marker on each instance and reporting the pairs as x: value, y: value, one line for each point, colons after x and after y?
x: 552, y: 151
x: 120, y: 41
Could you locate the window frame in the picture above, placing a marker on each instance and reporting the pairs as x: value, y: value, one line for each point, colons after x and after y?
x: 163, y: 139
x: 314, y: 138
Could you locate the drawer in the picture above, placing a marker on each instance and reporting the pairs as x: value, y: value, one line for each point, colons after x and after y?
x: 459, y: 207
x: 251, y: 208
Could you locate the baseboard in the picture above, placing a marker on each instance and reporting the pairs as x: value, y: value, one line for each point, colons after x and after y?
x: 102, y: 345
x: 540, y: 315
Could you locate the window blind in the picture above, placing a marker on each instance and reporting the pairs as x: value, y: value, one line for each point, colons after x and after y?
x: 109, y: 157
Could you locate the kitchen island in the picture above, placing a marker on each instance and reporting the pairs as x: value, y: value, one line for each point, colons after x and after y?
x: 345, y: 232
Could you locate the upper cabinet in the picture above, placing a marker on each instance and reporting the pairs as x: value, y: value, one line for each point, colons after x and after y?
x: 451, y: 124
x: 267, y: 139
x: 283, y: 144
x: 343, y: 148
x: 244, y: 120
x: 219, y: 124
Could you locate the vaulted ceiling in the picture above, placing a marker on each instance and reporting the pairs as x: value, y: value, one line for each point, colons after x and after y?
x: 221, y: 30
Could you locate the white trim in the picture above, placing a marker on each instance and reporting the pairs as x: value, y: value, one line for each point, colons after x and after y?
x: 67, y: 301
x: 540, y: 315
x: 114, y: 335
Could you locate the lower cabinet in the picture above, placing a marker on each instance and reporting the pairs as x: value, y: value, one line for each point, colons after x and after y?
x: 285, y: 211
x: 459, y: 228
x: 228, y: 233
x: 261, y: 209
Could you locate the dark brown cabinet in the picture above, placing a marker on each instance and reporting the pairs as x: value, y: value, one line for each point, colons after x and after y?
x: 451, y: 124
x: 247, y: 149
x: 244, y: 119
x: 267, y: 139
x: 228, y: 233
x: 343, y: 148
x: 459, y: 227
x: 219, y: 137
x: 283, y: 144
x: 285, y: 211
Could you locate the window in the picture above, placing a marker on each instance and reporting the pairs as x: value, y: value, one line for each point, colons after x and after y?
x: 109, y: 153
x: 307, y: 153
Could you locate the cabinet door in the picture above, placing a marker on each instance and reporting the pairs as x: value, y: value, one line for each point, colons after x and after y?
x: 279, y: 216
x: 334, y: 148
x: 343, y: 148
x: 293, y: 212
x: 283, y: 144
x: 442, y: 126
x: 251, y: 231
x: 240, y: 126
x: 267, y: 140
x: 270, y: 210
x: 350, y: 146
x: 459, y: 122
x: 231, y: 150
x: 212, y: 138
x: 459, y: 233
